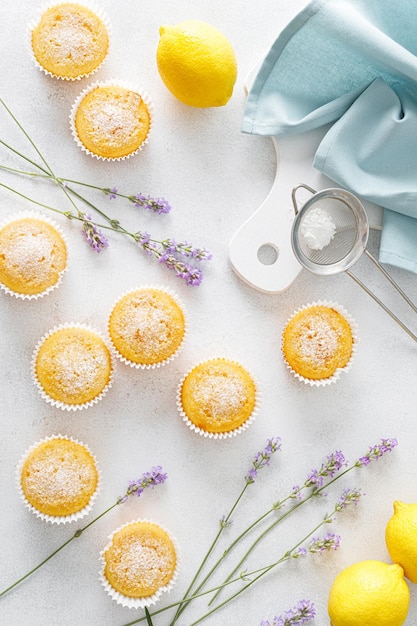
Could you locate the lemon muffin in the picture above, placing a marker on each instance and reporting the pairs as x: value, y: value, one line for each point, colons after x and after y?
x: 72, y: 367
x: 70, y: 41
x: 147, y: 327
x: 139, y: 563
x: 318, y: 342
x: 33, y: 256
x: 111, y: 121
x: 217, y: 397
x: 58, y: 479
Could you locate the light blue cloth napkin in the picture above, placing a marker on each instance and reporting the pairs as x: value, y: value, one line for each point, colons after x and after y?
x: 353, y: 63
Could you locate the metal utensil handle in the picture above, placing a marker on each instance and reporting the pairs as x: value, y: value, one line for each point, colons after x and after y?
x: 386, y: 309
x: 391, y: 280
x: 294, y: 191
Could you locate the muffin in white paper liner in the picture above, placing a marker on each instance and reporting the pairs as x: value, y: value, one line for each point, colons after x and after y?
x: 138, y: 365
x: 28, y: 262
x: 233, y: 431
x: 111, y: 83
x: 321, y: 382
x: 137, y: 602
x: 91, y: 6
x: 58, y: 519
x: 60, y: 403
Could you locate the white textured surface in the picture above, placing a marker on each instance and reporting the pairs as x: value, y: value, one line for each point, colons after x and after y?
x: 215, y: 178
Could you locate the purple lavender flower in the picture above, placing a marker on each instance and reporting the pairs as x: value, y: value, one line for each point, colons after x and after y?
x: 147, y: 480
x: 348, y: 497
x: 296, y: 493
x: 224, y: 522
x: 186, y: 249
x: 333, y: 464
x: 301, y: 613
x: 376, y: 452
x: 111, y: 193
x: 328, y: 542
x: 157, y: 205
x: 263, y: 458
x: 190, y: 275
x: 93, y: 234
x: 299, y: 552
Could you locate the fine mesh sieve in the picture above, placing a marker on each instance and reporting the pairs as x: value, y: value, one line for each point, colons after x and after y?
x: 330, y: 233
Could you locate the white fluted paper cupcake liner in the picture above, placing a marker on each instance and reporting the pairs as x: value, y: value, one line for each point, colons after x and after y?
x: 57, y: 519
x: 212, y: 435
x: 148, y: 366
x: 354, y: 329
x: 138, y: 603
x: 111, y: 83
x: 33, y: 214
x: 99, y: 12
x: 58, y: 403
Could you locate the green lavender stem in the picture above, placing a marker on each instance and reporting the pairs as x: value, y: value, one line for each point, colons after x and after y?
x: 258, y: 573
x: 136, y: 487
x: 313, y: 494
x: 226, y: 552
x: 80, y: 217
x: 49, y: 174
x: 288, y: 555
x: 184, y: 604
x: 28, y: 137
x: 77, y: 534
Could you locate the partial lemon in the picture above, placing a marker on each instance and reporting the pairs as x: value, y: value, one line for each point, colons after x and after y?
x: 401, y: 538
x: 369, y: 593
x: 197, y: 63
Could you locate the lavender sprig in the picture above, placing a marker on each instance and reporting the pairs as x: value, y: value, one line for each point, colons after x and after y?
x: 333, y: 465
x: 111, y: 193
x: 186, y: 249
x: 157, y: 205
x: 329, y: 542
x: 148, y: 480
x: 93, y: 234
x: 92, y: 230
x: 376, y: 452
x: 330, y: 467
x: 302, y: 613
x: 262, y: 459
x: 316, y: 545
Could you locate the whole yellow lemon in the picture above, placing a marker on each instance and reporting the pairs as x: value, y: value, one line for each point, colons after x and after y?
x: 197, y: 63
x: 369, y: 593
x: 401, y: 538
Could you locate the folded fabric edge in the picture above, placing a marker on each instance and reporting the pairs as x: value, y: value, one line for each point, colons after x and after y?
x: 391, y: 258
x: 248, y: 125
x: 399, y: 232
